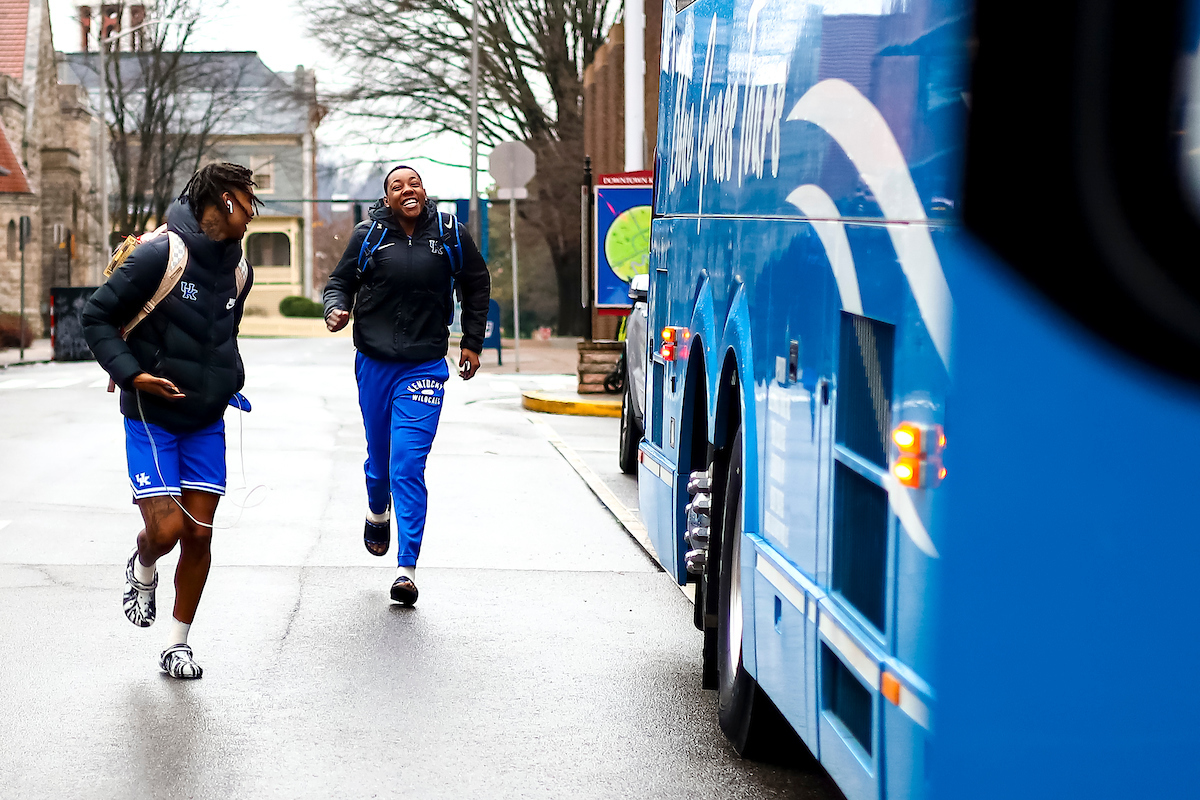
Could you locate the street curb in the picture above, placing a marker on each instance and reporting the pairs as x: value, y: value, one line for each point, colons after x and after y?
x: 549, y: 403
x: 628, y: 519
x: 26, y: 363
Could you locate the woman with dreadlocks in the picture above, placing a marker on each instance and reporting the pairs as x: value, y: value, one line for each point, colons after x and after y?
x: 177, y: 372
x: 399, y: 275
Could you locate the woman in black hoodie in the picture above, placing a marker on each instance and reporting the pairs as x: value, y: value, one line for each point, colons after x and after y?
x: 399, y: 274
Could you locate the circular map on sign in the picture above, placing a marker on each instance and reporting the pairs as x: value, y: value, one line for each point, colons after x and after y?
x: 627, y: 244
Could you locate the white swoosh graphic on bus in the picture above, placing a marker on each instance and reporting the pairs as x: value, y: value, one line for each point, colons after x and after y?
x: 823, y: 215
x: 861, y: 131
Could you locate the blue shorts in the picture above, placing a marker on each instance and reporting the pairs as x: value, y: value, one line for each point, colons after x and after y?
x: 193, y: 461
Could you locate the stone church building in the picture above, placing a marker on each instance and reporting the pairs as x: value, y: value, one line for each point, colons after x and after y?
x: 48, y: 142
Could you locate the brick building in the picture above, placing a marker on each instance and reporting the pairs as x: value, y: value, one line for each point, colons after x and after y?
x: 48, y: 140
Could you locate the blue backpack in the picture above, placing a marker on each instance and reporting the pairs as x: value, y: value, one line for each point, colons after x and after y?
x: 448, y: 224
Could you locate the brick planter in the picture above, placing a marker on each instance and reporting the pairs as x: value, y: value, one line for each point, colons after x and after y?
x: 596, y: 361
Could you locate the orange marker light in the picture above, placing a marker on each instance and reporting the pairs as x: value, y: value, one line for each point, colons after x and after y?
x: 908, y: 472
x: 907, y: 437
x: 668, y: 334
x: 686, y: 334
x: 889, y: 687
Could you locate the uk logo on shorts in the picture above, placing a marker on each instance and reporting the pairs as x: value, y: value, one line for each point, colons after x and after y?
x: 188, y: 290
x: 426, y: 391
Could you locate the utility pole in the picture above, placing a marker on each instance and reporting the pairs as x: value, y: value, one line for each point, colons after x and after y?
x: 25, y: 234
x: 512, y: 233
x: 475, y: 223
x: 105, y: 224
x: 585, y: 243
x: 635, y: 92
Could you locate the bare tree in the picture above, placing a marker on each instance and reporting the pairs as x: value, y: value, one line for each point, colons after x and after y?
x: 164, y: 108
x: 414, y: 59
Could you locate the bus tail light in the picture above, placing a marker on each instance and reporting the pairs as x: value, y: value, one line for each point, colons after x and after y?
x: 918, y: 457
x: 908, y: 471
x: 667, y: 351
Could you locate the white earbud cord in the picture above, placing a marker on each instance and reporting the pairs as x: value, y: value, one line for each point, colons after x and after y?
x: 242, y: 463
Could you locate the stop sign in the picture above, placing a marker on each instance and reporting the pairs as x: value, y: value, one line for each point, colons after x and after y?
x: 512, y: 164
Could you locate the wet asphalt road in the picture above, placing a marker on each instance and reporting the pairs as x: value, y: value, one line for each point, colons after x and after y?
x: 547, y: 657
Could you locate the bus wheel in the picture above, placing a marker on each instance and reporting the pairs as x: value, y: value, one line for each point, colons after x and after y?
x: 752, y: 723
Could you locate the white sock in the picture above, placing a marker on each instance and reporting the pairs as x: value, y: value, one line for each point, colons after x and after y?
x: 379, y: 519
x: 143, y: 573
x: 407, y: 572
x: 178, y: 632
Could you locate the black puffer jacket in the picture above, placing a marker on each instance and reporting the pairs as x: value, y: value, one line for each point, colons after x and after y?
x: 191, y: 336
x: 401, y: 300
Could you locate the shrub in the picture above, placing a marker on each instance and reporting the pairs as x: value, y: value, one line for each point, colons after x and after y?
x: 296, y: 306
x: 9, y: 325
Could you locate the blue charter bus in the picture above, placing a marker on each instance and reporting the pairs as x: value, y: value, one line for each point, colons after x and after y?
x: 922, y: 402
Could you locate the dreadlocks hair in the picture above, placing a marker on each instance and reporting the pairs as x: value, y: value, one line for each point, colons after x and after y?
x: 213, y: 180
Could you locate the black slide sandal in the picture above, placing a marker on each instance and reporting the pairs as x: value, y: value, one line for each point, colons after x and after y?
x: 404, y: 591
x: 377, y: 537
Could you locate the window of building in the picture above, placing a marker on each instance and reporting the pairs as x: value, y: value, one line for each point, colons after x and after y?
x: 263, y: 168
x: 269, y: 250
x: 11, y: 251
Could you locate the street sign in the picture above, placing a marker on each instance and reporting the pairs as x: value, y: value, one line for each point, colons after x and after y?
x: 512, y: 164
x: 491, y: 335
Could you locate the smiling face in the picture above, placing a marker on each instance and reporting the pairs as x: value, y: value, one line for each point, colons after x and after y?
x: 405, y: 194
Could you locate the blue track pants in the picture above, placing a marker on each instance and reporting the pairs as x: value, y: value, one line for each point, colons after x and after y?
x: 401, y: 403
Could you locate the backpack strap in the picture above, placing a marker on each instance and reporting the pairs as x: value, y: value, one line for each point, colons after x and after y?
x: 177, y: 260
x: 176, y: 263
x: 363, y: 255
x: 452, y: 241
x: 242, y: 276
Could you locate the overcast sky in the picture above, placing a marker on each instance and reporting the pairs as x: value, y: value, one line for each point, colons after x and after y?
x: 277, y: 31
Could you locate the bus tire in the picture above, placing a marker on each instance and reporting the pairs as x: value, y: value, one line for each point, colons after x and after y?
x: 631, y: 434
x: 748, y: 718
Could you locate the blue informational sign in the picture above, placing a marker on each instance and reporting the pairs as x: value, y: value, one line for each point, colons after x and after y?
x: 462, y: 209
x: 491, y: 334
x: 622, y: 241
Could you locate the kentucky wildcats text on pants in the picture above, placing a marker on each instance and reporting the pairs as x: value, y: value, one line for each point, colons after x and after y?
x: 401, y: 403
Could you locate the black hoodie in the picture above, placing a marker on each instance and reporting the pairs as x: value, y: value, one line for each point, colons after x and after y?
x: 191, y: 336
x: 402, y: 300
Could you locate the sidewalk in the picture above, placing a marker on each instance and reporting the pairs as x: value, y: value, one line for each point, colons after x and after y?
x: 37, y: 352
x: 557, y: 356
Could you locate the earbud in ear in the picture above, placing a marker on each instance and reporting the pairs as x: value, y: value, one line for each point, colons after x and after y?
x: 229, y: 205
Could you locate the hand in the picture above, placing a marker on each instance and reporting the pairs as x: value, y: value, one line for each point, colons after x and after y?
x: 337, y: 319
x: 468, y: 364
x: 162, y: 387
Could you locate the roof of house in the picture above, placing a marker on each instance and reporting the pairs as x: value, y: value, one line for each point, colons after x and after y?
x: 14, y: 26
x: 14, y: 181
x: 253, y: 99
